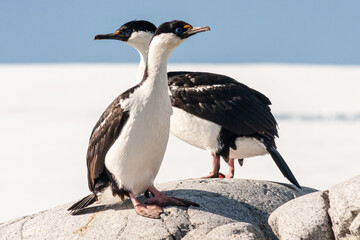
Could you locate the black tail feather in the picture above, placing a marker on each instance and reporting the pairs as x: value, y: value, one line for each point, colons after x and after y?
x: 280, y: 162
x: 86, y: 201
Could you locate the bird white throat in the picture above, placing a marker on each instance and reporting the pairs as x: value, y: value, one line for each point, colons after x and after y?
x: 140, y: 41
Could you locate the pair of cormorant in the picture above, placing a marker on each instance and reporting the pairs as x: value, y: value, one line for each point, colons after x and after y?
x: 210, y: 111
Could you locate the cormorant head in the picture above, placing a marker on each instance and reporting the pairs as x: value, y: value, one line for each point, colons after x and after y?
x: 175, y: 32
x: 137, y: 33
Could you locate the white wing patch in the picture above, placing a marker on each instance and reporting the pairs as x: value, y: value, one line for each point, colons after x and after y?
x: 197, y: 88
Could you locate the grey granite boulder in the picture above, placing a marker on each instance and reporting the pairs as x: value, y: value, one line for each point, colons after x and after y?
x: 229, y: 209
x: 303, y: 218
x: 345, y: 207
x: 332, y: 214
x: 355, y: 227
x: 237, y: 230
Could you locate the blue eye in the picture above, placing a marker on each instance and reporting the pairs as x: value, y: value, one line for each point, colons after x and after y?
x: 127, y: 32
x: 179, y: 30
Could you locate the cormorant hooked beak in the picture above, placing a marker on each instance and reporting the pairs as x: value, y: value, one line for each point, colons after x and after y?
x: 116, y: 36
x: 195, y: 30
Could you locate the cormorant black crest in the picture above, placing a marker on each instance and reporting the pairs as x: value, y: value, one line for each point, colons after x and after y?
x: 125, y: 31
x: 170, y: 27
x: 139, y: 25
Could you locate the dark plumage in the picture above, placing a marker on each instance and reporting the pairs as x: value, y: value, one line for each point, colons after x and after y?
x: 105, y: 132
x: 239, y: 110
x: 125, y: 31
x: 232, y: 105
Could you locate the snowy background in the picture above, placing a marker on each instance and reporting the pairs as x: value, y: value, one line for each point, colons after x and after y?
x: 47, y: 113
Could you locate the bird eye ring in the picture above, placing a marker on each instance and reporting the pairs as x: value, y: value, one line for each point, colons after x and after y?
x: 127, y: 32
x: 179, y: 30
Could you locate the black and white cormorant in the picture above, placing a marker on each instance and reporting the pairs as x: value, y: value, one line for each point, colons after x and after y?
x: 128, y: 142
x: 211, y: 111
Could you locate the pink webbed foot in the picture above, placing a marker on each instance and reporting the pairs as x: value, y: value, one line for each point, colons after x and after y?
x: 150, y: 211
x: 162, y: 200
x: 229, y: 174
x: 214, y: 175
x: 145, y: 210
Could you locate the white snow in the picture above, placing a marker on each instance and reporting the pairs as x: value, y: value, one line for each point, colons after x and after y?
x: 47, y: 113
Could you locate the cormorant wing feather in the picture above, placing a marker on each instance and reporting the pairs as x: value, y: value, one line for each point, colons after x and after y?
x: 224, y: 101
x: 104, y: 134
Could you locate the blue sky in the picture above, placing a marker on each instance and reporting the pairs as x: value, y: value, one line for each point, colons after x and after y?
x: 49, y: 31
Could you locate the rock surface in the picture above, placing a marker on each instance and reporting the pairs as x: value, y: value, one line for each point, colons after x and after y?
x: 345, y: 207
x: 332, y: 214
x: 230, y: 208
x: 306, y: 218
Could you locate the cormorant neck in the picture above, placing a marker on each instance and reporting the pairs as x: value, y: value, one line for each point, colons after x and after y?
x: 142, y: 64
x: 157, y: 59
x: 141, y: 41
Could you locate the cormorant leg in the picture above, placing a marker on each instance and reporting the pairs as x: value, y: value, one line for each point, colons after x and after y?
x: 145, y: 210
x: 162, y: 200
x: 215, y: 168
x: 231, y: 168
